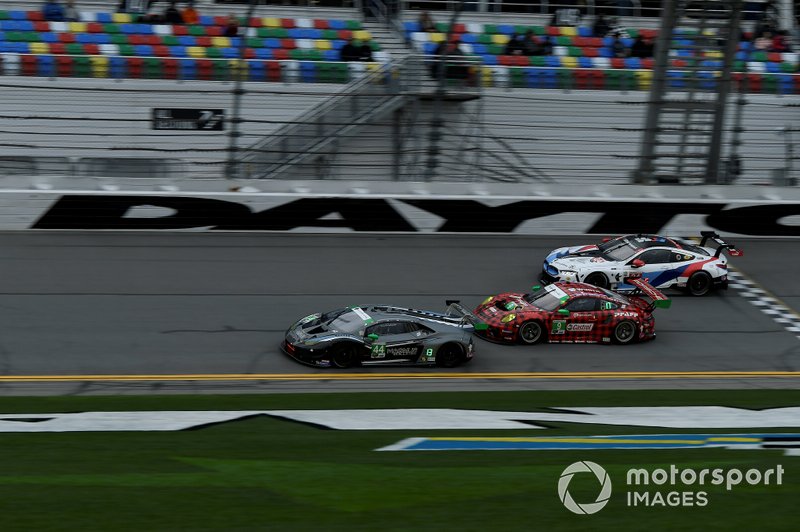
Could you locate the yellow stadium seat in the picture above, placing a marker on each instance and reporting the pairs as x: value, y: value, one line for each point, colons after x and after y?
x: 569, y: 62
x: 322, y: 44
x: 436, y: 37
x: 196, y: 51
x: 39, y: 48
x: 77, y: 27
x: 714, y: 54
x: 645, y: 78
x: 121, y: 18
x: 220, y: 42
x: 500, y: 39
x: 372, y: 67
x: 99, y: 66
x: 362, y: 35
x: 271, y: 22
x: 569, y: 31
x: 486, y: 74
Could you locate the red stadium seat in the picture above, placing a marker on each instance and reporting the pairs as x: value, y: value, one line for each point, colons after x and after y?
x: 41, y: 26
x: 205, y: 69
x: 754, y: 82
x: 35, y: 16
x: 220, y: 20
x: 738, y: 80
x: 678, y: 63
x: 28, y: 65
x: 648, y: 63
x: 58, y: 48
x: 287, y: 23
x: 345, y: 35
x: 94, y: 27
x: 288, y: 44
x: 180, y: 30
x: 249, y: 53
x: 256, y: 22
x: 504, y: 60
x: 553, y: 31
x: 273, y: 70
x: 590, y: 51
x: 64, y: 65
x: 66, y: 37
x: 774, y: 57
x: 161, y: 51
x: 136, y: 40
x: 598, y: 79
x: 320, y: 24
x: 520, y: 61
x: 91, y: 49
x: 135, y: 66
x: 796, y: 83
x: 582, y: 79
x: 617, y: 62
x: 203, y: 41
x: 170, y: 68
x: 280, y: 53
x: 648, y: 33
x: 214, y: 31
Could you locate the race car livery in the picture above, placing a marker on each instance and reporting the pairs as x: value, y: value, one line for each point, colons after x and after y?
x: 572, y: 312
x: 383, y: 334
x: 663, y: 262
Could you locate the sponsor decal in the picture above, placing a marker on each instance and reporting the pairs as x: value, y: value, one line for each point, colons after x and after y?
x: 100, y: 211
x: 558, y: 327
x: 402, y: 351
x: 361, y: 314
x: 580, y: 327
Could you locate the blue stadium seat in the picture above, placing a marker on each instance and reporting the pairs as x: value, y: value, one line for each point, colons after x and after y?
x: 177, y: 51
x: 469, y: 38
x: 429, y: 47
x: 117, y: 67
x: 46, y: 66
x: 331, y: 55
x: 263, y: 53
x: 206, y: 20
x: 772, y: 67
x: 45, y: 37
x: 83, y: 38
x: 584, y: 31
x: 257, y: 71
x: 336, y: 24
x: 506, y: 29
x: 480, y: 49
x: 585, y: 62
x: 104, y: 18
x: 187, y: 69
x: 308, y: 71
x: 272, y: 42
x: 676, y: 79
x: 229, y: 53
x: 143, y: 50
x: 553, y: 61
x: 490, y: 60
x: 633, y: 62
x: 409, y: 26
x: 187, y: 40
x: 338, y: 44
x: 18, y: 15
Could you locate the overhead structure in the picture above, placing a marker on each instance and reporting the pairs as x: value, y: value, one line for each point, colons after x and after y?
x: 683, y: 131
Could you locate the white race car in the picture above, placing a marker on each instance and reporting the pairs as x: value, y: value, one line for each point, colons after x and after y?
x: 663, y: 262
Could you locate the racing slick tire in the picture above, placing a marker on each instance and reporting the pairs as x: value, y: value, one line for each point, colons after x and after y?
x: 624, y: 332
x: 597, y: 279
x: 449, y: 356
x: 344, y: 356
x: 530, y: 332
x: 699, y: 284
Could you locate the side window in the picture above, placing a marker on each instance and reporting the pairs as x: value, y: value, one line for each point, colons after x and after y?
x: 680, y: 257
x: 608, y: 305
x: 386, y: 328
x: 582, y: 304
x: 418, y: 329
x: 655, y: 256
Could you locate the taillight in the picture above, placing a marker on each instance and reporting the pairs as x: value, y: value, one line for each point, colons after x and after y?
x: 723, y: 266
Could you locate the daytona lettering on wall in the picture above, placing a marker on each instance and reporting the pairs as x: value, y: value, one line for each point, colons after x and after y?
x: 385, y: 214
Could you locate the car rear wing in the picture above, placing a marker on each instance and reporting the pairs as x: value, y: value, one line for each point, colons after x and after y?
x: 733, y: 251
x: 455, y: 309
x: 645, y: 288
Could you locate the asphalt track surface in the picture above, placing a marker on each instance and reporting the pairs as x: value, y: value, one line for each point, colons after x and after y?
x: 131, y: 304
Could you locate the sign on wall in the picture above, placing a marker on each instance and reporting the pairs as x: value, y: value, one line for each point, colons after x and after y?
x: 189, y: 119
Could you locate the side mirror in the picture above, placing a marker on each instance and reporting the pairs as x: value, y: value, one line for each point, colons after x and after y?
x: 563, y: 312
x: 637, y: 263
x: 372, y: 337
x: 606, y: 239
x: 536, y: 288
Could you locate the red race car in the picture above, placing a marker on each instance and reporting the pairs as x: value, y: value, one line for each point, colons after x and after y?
x: 573, y: 312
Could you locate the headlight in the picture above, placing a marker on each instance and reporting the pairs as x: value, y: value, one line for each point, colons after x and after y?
x: 487, y: 300
x: 510, y: 317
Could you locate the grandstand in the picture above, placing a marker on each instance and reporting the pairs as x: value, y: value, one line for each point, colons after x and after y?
x: 107, y: 72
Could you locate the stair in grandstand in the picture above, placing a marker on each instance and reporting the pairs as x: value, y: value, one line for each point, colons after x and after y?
x: 684, y: 127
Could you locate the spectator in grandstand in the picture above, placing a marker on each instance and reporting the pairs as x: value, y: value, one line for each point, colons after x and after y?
x: 780, y: 43
x: 365, y: 51
x: 514, y: 46
x: 531, y: 45
x: 53, y: 11
x: 349, y: 51
x: 547, y: 45
x: 231, y: 26
x: 134, y: 7
x: 71, y: 12
x: 190, y: 15
x: 600, y: 27
x: 641, y: 48
x: 455, y: 65
x: 763, y: 43
x: 618, y: 48
x: 426, y: 22
x: 172, y: 15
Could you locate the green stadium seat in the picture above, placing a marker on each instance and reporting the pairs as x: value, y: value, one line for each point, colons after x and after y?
x: 769, y: 84
x: 213, y: 53
x: 518, y: 77
x: 153, y: 68
x: 563, y: 40
x: 253, y: 42
x: 490, y: 29
x: 352, y: 25
x: 197, y: 31
x: 4, y: 15
x: 788, y: 68
x: 82, y: 68
x: 127, y: 50
x: 74, y: 49
x: 496, y: 49
x: 485, y: 39
x: 538, y: 61
x: 277, y: 33
x: 566, y: 78
x: 220, y: 70
x: 169, y: 40
x: 119, y: 39
x: 111, y: 28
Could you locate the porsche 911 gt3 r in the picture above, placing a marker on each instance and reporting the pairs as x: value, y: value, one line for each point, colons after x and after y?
x: 663, y: 262
x: 572, y: 312
x: 383, y: 334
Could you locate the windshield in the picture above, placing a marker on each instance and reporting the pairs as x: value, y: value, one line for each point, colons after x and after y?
x: 614, y: 242
x: 348, y: 322
x: 543, y: 299
x: 621, y: 253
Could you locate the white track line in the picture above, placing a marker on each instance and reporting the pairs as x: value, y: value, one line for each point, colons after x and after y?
x: 765, y: 301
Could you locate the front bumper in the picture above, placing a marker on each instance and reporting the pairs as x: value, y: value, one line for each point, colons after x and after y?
x: 304, y: 356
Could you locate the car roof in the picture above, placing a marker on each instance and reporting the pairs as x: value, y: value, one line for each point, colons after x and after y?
x: 575, y: 290
x: 382, y: 313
